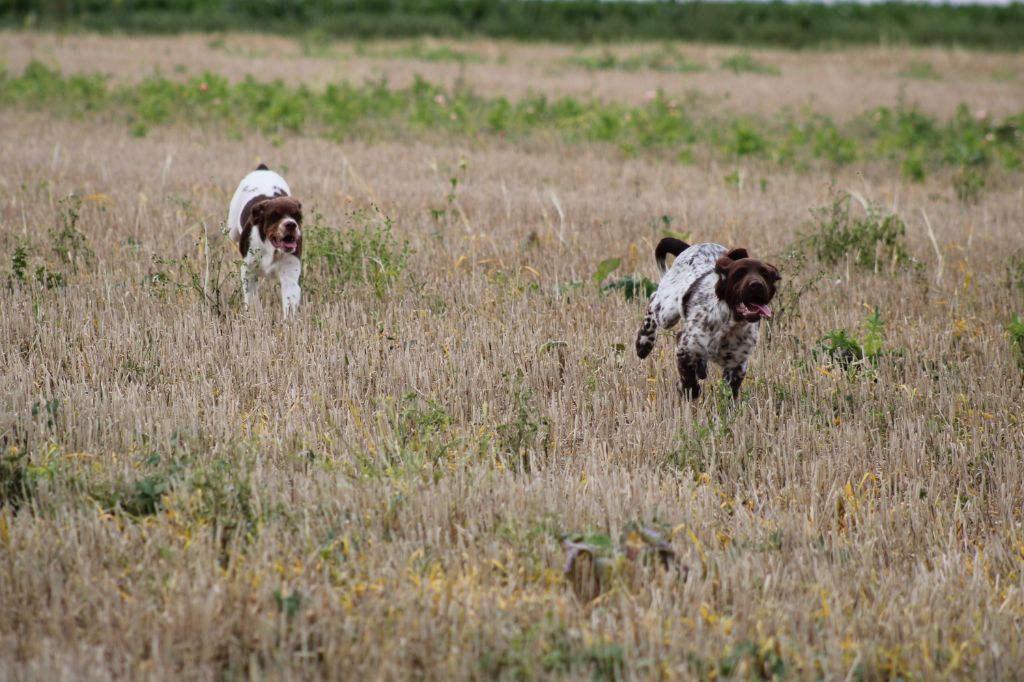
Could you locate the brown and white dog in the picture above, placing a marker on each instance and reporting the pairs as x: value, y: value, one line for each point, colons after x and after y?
x: 720, y: 296
x: 266, y: 221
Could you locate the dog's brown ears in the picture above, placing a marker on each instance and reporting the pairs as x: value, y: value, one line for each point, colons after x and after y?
x: 724, y: 261
x: 773, y: 272
x: 257, y: 211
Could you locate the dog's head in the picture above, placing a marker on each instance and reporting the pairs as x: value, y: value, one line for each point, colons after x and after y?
x: 747, y: 285
x: 280, y: 222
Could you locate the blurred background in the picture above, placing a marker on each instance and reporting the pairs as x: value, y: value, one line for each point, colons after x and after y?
x: 997, y: 24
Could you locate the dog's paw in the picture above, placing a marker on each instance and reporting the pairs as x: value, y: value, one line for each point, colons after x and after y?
x: 688, y: 393
x: 644, y: 346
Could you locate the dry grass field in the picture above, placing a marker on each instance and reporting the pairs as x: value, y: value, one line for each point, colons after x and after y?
x: 381, y: 487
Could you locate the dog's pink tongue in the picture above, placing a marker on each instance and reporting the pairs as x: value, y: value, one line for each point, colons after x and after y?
x: 764, y: 310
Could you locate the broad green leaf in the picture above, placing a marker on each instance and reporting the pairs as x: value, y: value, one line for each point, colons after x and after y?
x: 605, y: 268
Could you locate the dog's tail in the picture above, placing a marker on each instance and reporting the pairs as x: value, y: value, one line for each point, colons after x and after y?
x: 262, y: 166
x: 666, y: 246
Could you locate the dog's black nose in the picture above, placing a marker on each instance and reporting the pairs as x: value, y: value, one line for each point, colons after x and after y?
x: 757, y: 287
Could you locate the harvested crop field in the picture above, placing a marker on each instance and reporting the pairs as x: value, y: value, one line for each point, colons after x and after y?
x: 384, y: 485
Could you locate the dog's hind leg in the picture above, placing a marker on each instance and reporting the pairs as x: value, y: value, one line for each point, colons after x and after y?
x: 646, y: 336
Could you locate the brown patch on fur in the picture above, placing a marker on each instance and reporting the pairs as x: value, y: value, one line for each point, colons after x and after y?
x: 744, y: 279
x: 276, y: 219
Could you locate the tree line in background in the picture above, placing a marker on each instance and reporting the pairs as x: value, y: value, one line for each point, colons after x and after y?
x: 794, y: 25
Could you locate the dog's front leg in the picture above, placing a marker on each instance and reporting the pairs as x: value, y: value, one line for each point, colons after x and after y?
x: 689, y: 369
x: 291, y: 294
x: 735, y: 376
x: 250, y: 281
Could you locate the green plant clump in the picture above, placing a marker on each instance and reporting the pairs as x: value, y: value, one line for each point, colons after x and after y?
x: 663, y: 125
x: 370, y: 254
x: 872, y: 241
x: 744, y: 62
x: 852, y: 353
x: 666, y: 60
x: 1015, y: 329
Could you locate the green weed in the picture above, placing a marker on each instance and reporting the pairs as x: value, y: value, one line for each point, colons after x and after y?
x: 547, y: 648
x: 369, y: 254
x: 49, y: 409
x: 744, y: 62
x: 968, y: 184
x: 604, y: 61
x: 744, y: 138
x: 42, y: 275
x: 872, y: 241
x: 829, y: 143
x: 666, y: 60
x: 517, y: 437
x: 205, y: 276
x: 920, y: 71
x: 852, y: 353
x: 19, y: 264
x: 694, y: 450
x: 605, y: 268
x: 220, y: 495
x: 415, y: 438
x: 69, y: 248
x: 1015, y: 328
x: 67, y: 241
x: 1014, y: 278
x: 288, y: 604
x: 16, y: 484
x: 797, y: 281
x: 632, y: 287
x: 140, y: 495
x: 918, y: 142
x: 753, y: 661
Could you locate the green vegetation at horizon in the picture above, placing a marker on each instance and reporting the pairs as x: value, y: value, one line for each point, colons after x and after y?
x: 794, y: 25
x: 668, y: 126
